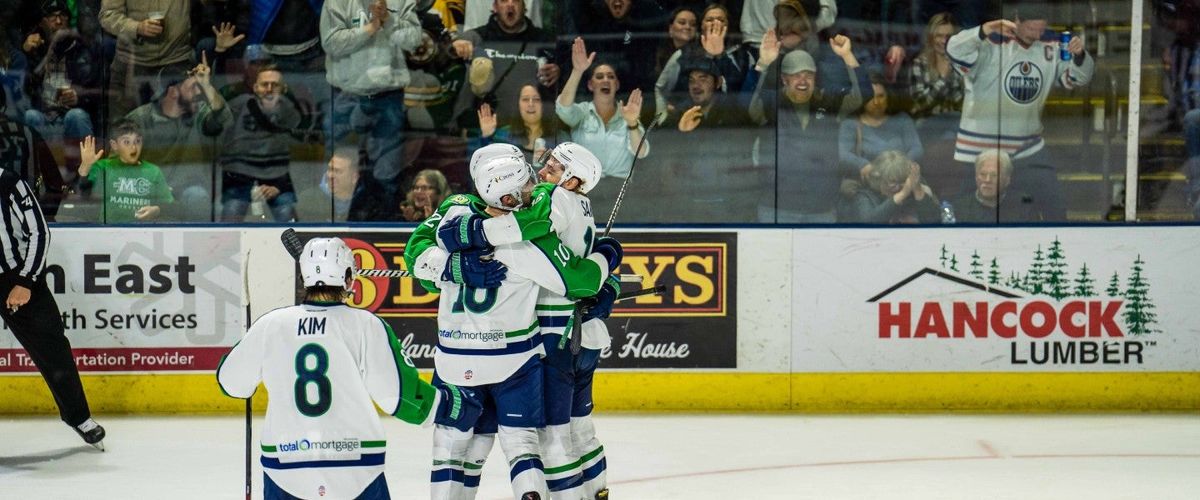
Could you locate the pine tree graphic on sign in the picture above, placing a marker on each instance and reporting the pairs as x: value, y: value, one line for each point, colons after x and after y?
x: 943, y: 257
x: 953, y: 262
x: 1035, y: 279
x: 1084, y: 283
x: 1056, y: 284
x: 1014, y: 281
x: 1139, y: 310
x: 994, y: 273
x: 976, y: 266
x: 1114, y: 286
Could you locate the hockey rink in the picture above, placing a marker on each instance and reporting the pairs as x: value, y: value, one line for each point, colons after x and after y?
x: 672, y: 456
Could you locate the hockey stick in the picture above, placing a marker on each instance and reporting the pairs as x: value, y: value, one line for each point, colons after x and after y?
x: 249, y: 400
x: 654, y: 290
x: 291, y: 243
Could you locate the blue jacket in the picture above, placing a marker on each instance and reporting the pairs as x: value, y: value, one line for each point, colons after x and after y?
x: 262, y: 14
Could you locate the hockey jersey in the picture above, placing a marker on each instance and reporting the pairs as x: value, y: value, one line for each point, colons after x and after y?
x: 484, y: 336
x: 1006, y: 88
x: 322, y: 365
x: 569, y: 215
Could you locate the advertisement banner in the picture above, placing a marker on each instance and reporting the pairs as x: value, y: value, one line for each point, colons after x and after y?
x: 995, y: 300
x: 148, y: 301
x: 693, y: 325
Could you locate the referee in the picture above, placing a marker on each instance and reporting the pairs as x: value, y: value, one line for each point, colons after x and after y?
x: 29, y: 309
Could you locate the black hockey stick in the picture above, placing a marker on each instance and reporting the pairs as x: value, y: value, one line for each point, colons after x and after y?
x: 654, y: 290
x: 249, y: 400
x: 612, y: 216
x: 291, y: 243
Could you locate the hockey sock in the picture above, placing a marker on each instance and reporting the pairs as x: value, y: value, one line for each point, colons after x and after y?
x: 477, y: 453
x: 449, y: 450
x: 591, y: 455
x: 564, y: 477
x: 520, y: 445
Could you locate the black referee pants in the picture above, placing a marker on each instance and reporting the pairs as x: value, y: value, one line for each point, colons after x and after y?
x: 38, y: 327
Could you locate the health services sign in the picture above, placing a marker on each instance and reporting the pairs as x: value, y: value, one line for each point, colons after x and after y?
x: 143, y: 301
x: 996, y: 299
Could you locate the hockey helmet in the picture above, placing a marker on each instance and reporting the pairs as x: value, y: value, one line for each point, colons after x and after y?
x: 326, y: 262
x: 492, y: 151
x: 577, y: 161
x: 502, y: 176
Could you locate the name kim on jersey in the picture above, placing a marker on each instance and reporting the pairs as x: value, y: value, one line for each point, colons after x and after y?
x: 310, y: 326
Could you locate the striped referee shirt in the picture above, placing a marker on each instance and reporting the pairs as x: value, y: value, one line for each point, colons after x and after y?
x: 25, y: 239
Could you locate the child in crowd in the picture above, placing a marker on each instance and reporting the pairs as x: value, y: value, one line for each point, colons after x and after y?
x: 132, y: 189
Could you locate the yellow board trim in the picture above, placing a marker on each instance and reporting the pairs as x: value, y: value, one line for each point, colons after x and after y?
x: 724, y: 392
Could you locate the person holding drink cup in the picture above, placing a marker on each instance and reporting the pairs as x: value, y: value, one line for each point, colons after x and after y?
x: 152, y: 35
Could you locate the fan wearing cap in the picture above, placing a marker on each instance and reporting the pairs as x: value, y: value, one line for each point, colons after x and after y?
x: 326, y: 366
x: 62, y: 68
x: 490, y: 335
x: 805, y: 183
x: 709, y: 105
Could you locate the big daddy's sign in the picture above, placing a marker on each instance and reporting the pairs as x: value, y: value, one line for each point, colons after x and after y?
x: 692, y: 325
x: 1003, y: 299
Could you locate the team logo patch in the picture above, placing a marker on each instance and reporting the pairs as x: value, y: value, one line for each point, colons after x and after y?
x: 1023, y: 82
x: 458, y: 199
x: 468, y: 375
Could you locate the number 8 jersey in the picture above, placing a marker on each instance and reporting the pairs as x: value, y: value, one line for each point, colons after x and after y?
x: 323, y: 364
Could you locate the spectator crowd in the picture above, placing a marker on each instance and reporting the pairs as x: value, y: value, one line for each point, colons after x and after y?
x: 736, y: 111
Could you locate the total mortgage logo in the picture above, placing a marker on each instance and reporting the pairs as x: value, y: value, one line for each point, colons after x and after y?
x: 334, y: 445
x: 1052, y: 312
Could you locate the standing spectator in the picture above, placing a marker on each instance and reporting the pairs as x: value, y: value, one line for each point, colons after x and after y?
x: 992, y: 201
x: 523, y: 131
x: 804, y: 176
x: 25, y: 153
x: 179, y: 128
x: 879, y: 128
x: 936, y: 91
x: 894, y: 194
x: 364, y: 46
x: 518, y: 51
x: 606, y: 127
x: 29, y: 308
x: 153, y: 36
x: 255, y: 150
x: 429, y: 189
x: 758, y: 16
x: 12, y: 74
x: 680, y: 32
x: 60, y: 84
x: 131, y: 189
x: 1010, y: 68
x: 1183, y: 66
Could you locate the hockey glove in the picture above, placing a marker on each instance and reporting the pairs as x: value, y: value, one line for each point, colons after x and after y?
x: 601, y: 305
x: 462, y: 233
x: 460, y: 407
x: 611, y: 249
x: 470, y: 269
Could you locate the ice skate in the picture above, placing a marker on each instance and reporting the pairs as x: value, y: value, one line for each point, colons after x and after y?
x: 92, y: 433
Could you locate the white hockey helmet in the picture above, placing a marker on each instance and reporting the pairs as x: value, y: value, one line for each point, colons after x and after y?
x: 502, y: 176
x: 578, y: 162
x: 326, y: 262
x: 493, y: 151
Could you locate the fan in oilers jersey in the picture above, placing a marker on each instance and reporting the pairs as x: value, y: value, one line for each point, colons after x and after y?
x: 323, y: 363
x: 574, y: 459
x: 1009, y: 69
x: 490, y: 339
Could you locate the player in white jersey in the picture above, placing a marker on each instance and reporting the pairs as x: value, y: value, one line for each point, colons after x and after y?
x: 561, y: 206
x: 323, y: 363
x: 1009, y: 69
x: 491, y: 339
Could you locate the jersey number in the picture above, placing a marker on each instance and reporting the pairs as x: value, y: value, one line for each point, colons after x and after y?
x: 468, y: 299
x: 316, y: 375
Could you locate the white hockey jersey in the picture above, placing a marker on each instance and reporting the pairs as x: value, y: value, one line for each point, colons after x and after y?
x: 570, y: 216
x: 484, y: 336
x: 1006, y: 89
x: 322, y: 365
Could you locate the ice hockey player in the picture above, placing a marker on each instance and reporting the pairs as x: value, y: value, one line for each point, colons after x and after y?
x: 574, y: 459
x: 506, y: 370
x: 323, y: 363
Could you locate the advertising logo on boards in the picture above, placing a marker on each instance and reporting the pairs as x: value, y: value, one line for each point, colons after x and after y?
x: 1052, y: 312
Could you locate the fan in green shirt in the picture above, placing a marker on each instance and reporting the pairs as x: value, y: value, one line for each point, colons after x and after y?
x: 132, y: 190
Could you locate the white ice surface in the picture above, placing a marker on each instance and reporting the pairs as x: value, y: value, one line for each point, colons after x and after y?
x: 671, y: 456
